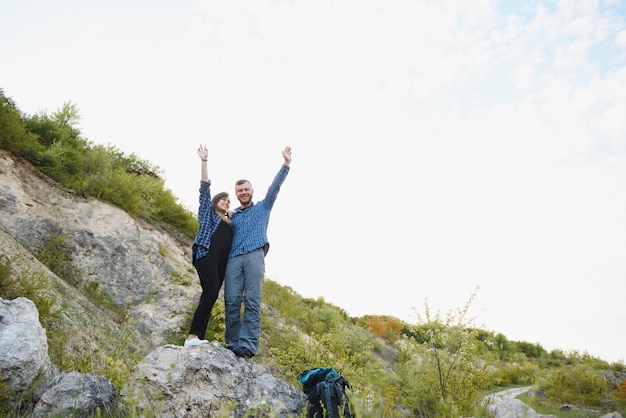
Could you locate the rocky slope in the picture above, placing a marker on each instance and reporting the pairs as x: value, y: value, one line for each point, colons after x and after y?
x: 206, y: 380
x: 147, y: 274
x: 144, y: 269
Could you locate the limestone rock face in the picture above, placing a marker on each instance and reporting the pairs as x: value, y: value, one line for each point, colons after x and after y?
x: 23, y: 344
x: 142, y: 267
x: 209, y: 380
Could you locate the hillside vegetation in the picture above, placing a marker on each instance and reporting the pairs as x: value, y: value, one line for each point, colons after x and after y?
x: 441, y: 366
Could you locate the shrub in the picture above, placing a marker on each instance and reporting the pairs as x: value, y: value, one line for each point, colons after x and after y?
x: 32, y: 286
x: 385, y: 327
x: 621, y: 389
x: 14, y: 136
x: 55, y: 255
x: 577, y: 384
x: 442, y: 373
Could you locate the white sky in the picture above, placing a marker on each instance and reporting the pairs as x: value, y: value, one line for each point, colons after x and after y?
x: 438, y: 146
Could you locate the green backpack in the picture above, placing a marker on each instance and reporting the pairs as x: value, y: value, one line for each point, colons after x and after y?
x: 326, y: 390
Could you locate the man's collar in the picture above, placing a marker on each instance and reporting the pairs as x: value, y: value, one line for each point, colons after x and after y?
x: 240, y: 209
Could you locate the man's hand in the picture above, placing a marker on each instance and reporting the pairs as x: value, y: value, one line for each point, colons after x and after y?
x: 202, y: 152
x: 287, y: 155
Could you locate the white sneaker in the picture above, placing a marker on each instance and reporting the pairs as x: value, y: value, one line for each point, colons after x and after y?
x: 195, y: 341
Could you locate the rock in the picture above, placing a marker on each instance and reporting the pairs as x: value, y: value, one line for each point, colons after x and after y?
x: 208, y: 380
x: 538, y: 394
x: 23, y: 344
x: 513, y: 408
x: 77, y: 395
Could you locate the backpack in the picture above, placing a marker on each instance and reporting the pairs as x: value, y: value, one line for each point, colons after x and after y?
x: 326, y: 390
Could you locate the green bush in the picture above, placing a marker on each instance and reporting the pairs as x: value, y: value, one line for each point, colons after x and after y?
x: 578, y: 384
x: 447, y: 360
x: 54, y: 145
x: 517, y: 371
x: 14, y: 136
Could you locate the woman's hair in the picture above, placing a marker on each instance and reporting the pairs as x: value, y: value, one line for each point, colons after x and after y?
x: 214, y: 201
x: 217, y: 198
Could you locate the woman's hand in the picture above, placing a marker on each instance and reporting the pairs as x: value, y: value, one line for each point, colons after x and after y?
x: 287, y: 155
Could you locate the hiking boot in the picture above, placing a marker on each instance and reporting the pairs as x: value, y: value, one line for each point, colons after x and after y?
x: 242, y: 352
x: 194, y: 341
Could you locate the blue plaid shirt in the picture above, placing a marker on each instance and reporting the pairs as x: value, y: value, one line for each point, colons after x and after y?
x: 209, y: 221
x: 250, y: 224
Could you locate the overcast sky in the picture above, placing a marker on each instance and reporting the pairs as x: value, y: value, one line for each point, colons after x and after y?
x: 438, y: 146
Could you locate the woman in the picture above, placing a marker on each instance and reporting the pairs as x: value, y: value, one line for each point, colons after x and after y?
x: 210, y: 251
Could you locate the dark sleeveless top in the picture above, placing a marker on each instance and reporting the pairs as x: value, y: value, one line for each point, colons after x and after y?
x: 220, y: 241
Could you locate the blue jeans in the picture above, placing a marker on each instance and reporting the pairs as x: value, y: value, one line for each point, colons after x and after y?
x: 243, y: 282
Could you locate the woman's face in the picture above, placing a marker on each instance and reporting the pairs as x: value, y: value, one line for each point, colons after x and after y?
x: 223, y: 204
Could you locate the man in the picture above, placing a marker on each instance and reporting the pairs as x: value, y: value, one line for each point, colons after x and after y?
x: 246, y: 264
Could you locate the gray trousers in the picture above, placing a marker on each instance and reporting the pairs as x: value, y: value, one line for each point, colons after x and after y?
x: 243, y: 283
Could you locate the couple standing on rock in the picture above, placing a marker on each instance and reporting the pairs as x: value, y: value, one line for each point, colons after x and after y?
x: 230, y: 247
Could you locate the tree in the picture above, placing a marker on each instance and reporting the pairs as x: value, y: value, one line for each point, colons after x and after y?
x: 14, y: 136
x: 60, y: 128
x: 442, y: 373
x: 68, y: 116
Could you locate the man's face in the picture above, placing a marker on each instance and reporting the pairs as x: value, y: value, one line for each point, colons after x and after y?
x: 244, y: 194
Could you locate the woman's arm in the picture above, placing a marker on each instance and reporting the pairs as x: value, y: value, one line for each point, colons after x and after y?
x: 203, y: 154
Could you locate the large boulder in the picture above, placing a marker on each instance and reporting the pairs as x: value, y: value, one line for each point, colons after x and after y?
x: 23, y: 345
x: 208, y: 380
x: 512, y: 408
x: 77, y: 395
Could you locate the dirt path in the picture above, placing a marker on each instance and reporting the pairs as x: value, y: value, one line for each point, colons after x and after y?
x: 509, y: 393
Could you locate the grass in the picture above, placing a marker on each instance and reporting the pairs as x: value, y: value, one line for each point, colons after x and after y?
x: 547, y: 406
